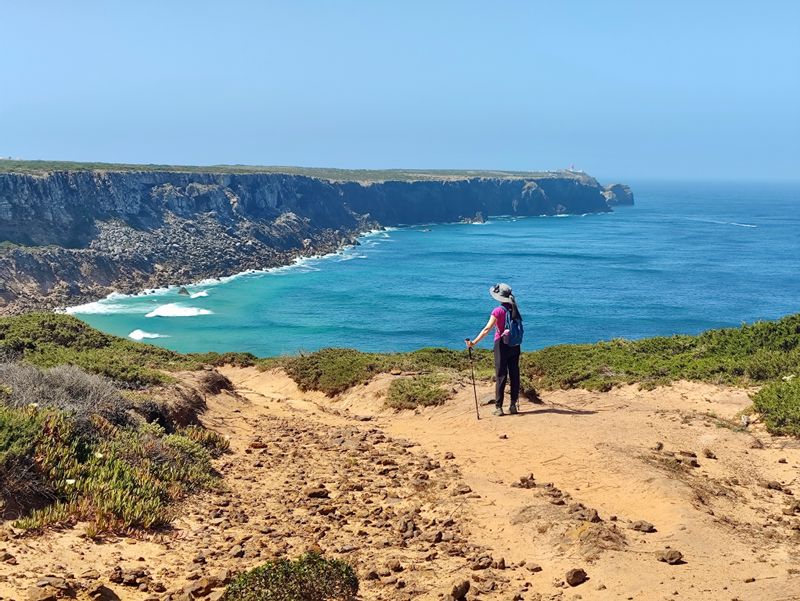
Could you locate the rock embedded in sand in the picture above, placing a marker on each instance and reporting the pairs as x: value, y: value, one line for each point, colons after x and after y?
x: 525, y: 482
x: 709, y: 454
x: 575, y: 577
x: 462, y: 489
x: 394, y: 566
x: 643, y: 526
x: 36, y: 593
x: 459, y: 590
x: 100, y: 592
x: 670, y: 556
x: 316, y: 492
x: 482, y: 563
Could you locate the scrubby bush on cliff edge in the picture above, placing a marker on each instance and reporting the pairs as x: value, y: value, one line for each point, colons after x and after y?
x: 48, y: 340
x: 424, y: 390
x: 72, y: 448
x: 779, y: 405
x: 309, y: 578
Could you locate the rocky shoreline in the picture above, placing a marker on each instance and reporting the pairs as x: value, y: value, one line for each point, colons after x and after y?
x: 70, y: 237
x: 150, y: 264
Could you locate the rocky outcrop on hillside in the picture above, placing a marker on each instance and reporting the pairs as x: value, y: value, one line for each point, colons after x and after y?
x: 73, y: 236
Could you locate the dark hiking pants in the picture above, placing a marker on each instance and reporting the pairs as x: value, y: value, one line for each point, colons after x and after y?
x: 506, y: 366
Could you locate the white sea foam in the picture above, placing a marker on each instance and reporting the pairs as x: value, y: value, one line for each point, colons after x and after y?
x: 142, y: 335
x: 177, y: 310
x: 717, y: 222
x: 96, y: 308
x: 305, y: 264
x: 108, y: 306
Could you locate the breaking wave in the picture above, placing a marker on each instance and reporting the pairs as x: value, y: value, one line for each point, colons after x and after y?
x: 177, y: 310
x: 142, y: 335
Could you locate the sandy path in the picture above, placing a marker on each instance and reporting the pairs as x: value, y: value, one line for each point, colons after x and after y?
x: 433, y: 491
x: 599, y: 449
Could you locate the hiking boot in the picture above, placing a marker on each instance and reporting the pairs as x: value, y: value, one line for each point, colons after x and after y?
x: 512, y: 409
x: 498, y: 411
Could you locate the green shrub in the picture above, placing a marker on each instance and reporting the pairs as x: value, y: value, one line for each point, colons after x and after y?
x: 20, y: 484
x: 117, y: 478
x: 222, y: 359
x: 779, y: 405
x: 424, y: 390
x: 309, y: 578
x: 333, y: 370
x: 213, y: 442
x: 125, y: 480
x: 48, y: 340
x: 755, y: 353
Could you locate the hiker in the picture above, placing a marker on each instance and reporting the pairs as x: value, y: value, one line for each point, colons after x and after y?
x: 507, y: 323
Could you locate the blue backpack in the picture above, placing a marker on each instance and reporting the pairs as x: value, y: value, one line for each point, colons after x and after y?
x: 515, y: 330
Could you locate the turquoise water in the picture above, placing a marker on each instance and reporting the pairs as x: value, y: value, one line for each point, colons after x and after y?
x: 686, y: 258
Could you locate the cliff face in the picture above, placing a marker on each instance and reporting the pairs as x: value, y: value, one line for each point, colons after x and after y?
x: 70, y: 236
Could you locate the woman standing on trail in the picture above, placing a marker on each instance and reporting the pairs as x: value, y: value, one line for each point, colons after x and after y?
x: 507, y: 322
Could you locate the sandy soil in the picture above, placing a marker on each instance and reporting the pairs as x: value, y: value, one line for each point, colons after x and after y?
x: 419, y: 499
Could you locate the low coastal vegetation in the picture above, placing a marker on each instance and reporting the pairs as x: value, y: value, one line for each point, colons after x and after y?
x: 47, y: 340
x: 758, y: 354
x: 779, y: 403
x: 310, y: 578
x: 424, y: 390
x: 88, y: 431
x: 73, y: 448
x: 749, y: 355
x: 362, y: 175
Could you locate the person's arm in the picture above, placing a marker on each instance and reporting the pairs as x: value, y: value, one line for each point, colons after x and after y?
x: 486, y: 329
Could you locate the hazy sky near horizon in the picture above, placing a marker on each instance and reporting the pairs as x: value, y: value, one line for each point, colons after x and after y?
x: 621, y: 89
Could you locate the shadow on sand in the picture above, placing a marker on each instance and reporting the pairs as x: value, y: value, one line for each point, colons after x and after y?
x: 557, y: 411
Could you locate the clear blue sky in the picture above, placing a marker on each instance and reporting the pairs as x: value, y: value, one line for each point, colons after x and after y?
x: 622, y: 89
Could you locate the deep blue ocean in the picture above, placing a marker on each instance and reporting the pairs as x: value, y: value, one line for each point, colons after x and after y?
x: 687, y: 257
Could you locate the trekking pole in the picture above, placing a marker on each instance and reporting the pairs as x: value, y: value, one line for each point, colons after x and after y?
x: 474, y: 388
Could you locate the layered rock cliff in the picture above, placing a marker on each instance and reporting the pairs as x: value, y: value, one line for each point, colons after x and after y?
x: 72, y: 236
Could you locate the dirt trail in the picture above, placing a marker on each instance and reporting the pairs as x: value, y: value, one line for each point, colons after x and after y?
x: 599, y: 450
x: 416, y: 500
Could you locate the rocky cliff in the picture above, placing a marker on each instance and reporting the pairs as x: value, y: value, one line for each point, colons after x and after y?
x: 74, y: 235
